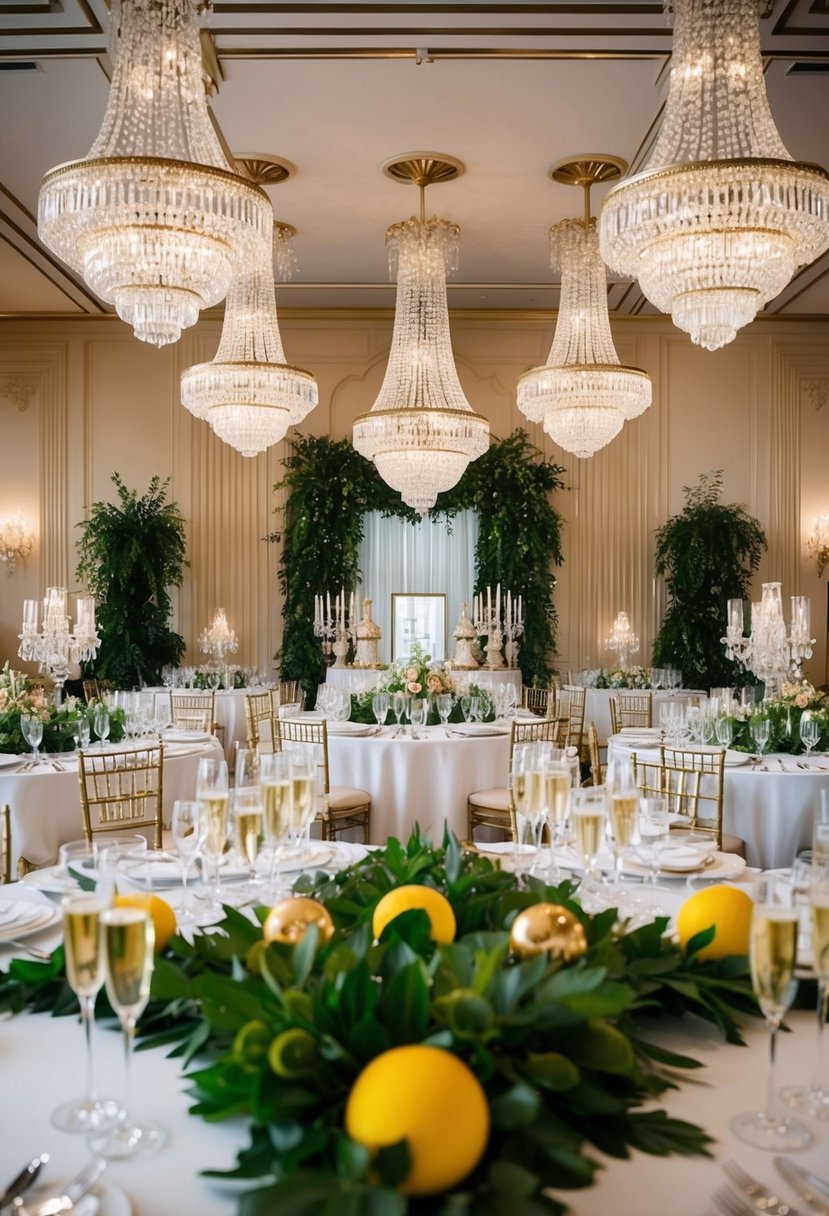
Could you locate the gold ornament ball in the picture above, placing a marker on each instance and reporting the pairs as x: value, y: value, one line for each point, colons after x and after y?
x: 548, y: 928
x: 288, y: 921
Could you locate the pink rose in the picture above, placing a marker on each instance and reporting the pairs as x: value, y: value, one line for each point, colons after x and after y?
x: 413, y: 686
x: 411, y: 673
x: 801, y: 700
x: 433, y: 684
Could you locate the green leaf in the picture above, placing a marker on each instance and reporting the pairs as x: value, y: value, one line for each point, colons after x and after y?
x: 515, y: 1108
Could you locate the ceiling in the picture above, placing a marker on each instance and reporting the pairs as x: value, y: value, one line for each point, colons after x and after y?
x: 336, y: 89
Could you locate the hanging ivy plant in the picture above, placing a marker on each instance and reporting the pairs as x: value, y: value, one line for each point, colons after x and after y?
x: 707, y: 554
x: 330, y: 489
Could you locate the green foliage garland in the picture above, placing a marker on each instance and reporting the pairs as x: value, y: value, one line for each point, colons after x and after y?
x: 708, y: 553
x: 331, y: 487
x: 562, y: 1049
x: 130, y: 553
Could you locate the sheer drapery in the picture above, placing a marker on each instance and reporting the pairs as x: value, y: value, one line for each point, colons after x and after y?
x: 428, y: 557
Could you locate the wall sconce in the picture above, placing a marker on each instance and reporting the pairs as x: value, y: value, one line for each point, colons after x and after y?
x: 16, y: 540
x: 817, y: 545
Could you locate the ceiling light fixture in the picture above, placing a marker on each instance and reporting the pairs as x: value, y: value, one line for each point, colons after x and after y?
x: 154, y: 217
x: 721, y: 217
x: 582, y: 395
x: 421, y: 431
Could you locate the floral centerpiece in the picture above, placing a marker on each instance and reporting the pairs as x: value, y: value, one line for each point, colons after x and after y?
x: 418, y: 678
x: 623, y: 677
x: 21, y: 696
x: 784, y: 714
x: 226, y: 677
x: 430, y: 952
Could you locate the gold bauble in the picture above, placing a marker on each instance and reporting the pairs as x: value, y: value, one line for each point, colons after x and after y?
x: 288, y: 921
x: 548, y: 928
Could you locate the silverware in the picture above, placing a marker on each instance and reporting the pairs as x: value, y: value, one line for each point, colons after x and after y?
x: 74, y: 1192
x: 761, y: 1197
x: 809, y: 1187
x: 24, y: 1179
x: 735, y: 1205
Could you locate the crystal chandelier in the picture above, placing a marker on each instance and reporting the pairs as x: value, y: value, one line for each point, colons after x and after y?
x: 154, y: 217
x: 622, y: 639
x: 582, y: 395
x: 421, y: 431
x: 721, y: 217
x: 248, y: 393
x: 219, y: 639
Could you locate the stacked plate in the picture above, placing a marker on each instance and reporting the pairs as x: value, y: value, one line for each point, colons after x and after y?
x: 17, y: 919
x: 479, y: 728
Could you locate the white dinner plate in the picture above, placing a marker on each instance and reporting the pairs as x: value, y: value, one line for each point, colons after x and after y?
x: 479, y: 728
x: 641, y: 732
x: 49, y: 879
x: 715, y: 866
x: 35, y: 917
x: 350, y: 728
x: 9, y: 758
x: 186, y: 736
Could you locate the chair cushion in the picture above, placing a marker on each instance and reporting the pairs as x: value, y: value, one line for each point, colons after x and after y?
x: 344, y: 798
x: 495, y: 799
x: 733, y: 844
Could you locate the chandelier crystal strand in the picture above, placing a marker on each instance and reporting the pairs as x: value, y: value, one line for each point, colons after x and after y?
x: 421, y: 431
x: 721, y: 216
x: 248, y: 393
x: 154, y: 217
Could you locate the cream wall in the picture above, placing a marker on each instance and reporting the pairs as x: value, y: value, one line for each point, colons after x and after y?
x: 79, y: 399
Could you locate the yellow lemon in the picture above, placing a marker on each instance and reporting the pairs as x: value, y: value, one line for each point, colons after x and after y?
x: 727, y: 908
x: 164, y: 918
x: 436, y: 906
x: 429, y: 1098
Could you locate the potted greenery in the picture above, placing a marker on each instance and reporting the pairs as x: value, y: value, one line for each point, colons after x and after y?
x: 130, y: 553
x: 707, y: 554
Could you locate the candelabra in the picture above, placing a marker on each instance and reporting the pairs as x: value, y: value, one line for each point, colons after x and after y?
x: 56, y: 646
x: 622, y: 639
x: 219, y: 640
x: 338, y: 630
x: 488, y: 623
x: 769, y: 651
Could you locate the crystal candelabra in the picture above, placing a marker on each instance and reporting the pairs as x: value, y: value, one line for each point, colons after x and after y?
x: 622, y: 639
x: 338, y: 630
x: 769, y: 651
x: 219, y: 640
x: 56, y: 646
x: 487, y: 620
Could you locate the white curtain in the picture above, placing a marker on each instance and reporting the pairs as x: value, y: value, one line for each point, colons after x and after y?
x: 427, y: 558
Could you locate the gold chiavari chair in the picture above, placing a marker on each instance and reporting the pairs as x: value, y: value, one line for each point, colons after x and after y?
x: 258, y: 709
x: 122, y: 791
x: 493, y: 808
x: 91, y: 691
x: 5, y: 844
x: 290, y: 693
x: 341, y: 807
x: 692, y: 784
x: 594, y: 754
x: 630, y: 709
x: 541, y: 701
x: 571, y: 701
x: 193, y: 710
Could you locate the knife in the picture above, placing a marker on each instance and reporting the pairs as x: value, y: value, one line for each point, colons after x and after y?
x: 812, y: 1189
x: 24, y: 1179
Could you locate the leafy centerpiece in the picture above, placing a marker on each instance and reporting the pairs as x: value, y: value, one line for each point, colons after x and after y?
x: 785, y: 714
x: 20, y: 697
x: 622, y: 677
x: 498, y: 1029
x: 419, y: 677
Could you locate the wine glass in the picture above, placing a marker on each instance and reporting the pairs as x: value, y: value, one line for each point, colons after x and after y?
x: 445, y: 701
x: 85, y: 976
x: 188, y: 830
x: 724, y: 730
x: 809, y: 731
x: 100, y: 724
x: 417, y: 713
x: 399, y: 706
x: 814, y: 1098
x: 466, y: 707
x: 588, y: 810
x: 275, y: 783
x: 772, y: 949
x: 127, y: 939
x: 212, y: 794
x: 760, y: 732
x: 380, y: 707
x: 624, y: 800
x: 653, y: 826
x: 84, y: 731
x: 31, y: 728
x: 248, y: 817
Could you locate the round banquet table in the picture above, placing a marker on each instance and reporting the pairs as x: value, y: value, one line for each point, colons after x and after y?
x: 42, y: 1057
x: 597, y: 704
x: 771, y: 805
x: 424, y: 781
x: 46, y: 803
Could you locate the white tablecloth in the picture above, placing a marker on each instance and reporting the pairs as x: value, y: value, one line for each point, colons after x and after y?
x: 425, y: 781
x: 771, y: 806
x: 46, y: 804
x: 597, y: 705
x: 42, y: 1057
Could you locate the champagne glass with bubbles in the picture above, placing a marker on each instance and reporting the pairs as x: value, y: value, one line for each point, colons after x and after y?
x: 814, y: 1099
x: 212, y: 794
x: 248, y: 821
x: 275, y: 781
x: 623, y: 805
x: 188, y: 829
x: 588, y: 812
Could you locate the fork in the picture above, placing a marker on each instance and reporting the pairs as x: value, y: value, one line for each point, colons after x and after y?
x: 762, y: 1199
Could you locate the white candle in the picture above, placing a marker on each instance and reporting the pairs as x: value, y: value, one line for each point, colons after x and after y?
x: 735, y: 614
x: 351, y: 606
x: 30, y: 613
x: 488, y: 603
x: 520, y: 611
x: 498, y: 602
x: 328, y: 609
x: 509, y: 607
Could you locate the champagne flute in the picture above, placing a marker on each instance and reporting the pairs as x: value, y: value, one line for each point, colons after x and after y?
x: 303, y: 792
x: 654, y: 827
x: 127, y: 939
x: 188, y: 830
x: 212, y: 794
x: 556, y: 786
x: 100, y: 724
x: 84, y: 731
x: 466, y: 707
x: 624, y: 799
x: 275, y: 782
x: 760, y: 732
x: 814, y: 1099
x: 85, y: 976
x: 519, y: 793
x: 809, y: 731
x: 31, y: 727
x: 399, y: 706
x: 248, y: 820
x: 772, y: 948
x: 588, y: 810
x: 724, y: 729
x: 380, y: 707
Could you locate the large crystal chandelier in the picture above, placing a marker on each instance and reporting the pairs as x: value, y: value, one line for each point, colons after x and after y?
x: 421, y: 431
x: 154, y: 217
x: 248, y: 393
x: 582, y: 395
x: 721, y: 217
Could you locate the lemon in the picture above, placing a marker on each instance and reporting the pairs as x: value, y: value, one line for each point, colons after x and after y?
x: 726, y: 907
x: 429, y: 1098
x: 436, y: 906
x: 163, y: 916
